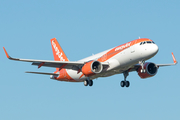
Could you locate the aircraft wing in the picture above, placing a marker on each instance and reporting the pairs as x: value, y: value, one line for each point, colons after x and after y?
x: 136, y: 67
x: 50, y: 63
x: 174, y: 59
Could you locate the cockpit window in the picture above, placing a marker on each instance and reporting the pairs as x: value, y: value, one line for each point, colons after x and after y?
x: 147, y: 42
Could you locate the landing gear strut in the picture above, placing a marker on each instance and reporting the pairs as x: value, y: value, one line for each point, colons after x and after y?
x: 142, y: 66
x: 125, y: 82
x: 88, y: 82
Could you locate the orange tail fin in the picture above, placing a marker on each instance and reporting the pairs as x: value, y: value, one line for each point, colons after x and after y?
x: 58, y: 53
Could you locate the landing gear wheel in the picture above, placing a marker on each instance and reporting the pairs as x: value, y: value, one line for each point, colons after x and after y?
x: 122, y: 83
x: 90, y: 83
x: 143, y: 70
x: 127, y: 83
x: 86, y: 83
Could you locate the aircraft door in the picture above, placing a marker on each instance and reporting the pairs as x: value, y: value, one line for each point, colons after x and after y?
x: 132, y: 49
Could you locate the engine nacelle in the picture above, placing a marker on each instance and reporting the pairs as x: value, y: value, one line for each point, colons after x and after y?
x: 91, y: 68
x: 150, y: 70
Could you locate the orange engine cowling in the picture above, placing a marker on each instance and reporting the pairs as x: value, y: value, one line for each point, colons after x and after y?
x: 150, y: 70
x: 91, y: 68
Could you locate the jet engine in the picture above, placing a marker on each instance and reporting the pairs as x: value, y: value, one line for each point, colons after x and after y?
x: 91, y: 68
x: 150, y: 70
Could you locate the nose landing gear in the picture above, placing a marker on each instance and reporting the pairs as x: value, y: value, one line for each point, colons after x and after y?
x: 125, y: 82
x: 142, y: 66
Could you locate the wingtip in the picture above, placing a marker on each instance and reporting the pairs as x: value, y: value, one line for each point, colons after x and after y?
x: 174, y: 59
x: 6, y: 53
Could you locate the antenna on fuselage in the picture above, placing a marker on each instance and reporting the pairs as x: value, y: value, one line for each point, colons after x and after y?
x: 139, y: 37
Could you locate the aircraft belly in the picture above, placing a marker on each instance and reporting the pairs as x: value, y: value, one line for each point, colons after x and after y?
x: 75, y: 75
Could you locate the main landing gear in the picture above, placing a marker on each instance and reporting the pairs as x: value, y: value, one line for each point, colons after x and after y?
x: 88, y: 82
x: 125, y: 82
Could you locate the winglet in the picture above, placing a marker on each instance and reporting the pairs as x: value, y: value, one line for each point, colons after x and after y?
x: 6, y: 53
x: 174, y: 59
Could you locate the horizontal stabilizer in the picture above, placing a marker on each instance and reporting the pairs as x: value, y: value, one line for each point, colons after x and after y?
x: 42, y: 73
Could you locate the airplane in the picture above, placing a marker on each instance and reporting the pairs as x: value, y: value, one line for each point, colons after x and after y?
x: 124, y: 58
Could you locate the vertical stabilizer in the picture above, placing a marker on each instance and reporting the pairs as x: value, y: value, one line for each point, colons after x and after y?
x: 58, y: 53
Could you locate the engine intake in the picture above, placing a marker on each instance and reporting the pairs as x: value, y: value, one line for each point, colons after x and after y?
x: 150, y: 70
x: 91, y: 68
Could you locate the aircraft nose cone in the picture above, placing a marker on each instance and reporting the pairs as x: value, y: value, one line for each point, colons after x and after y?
x: 155, y: 48
x: 149, y: 50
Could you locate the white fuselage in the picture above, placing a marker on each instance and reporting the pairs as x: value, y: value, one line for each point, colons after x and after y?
x: 121, y: 61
